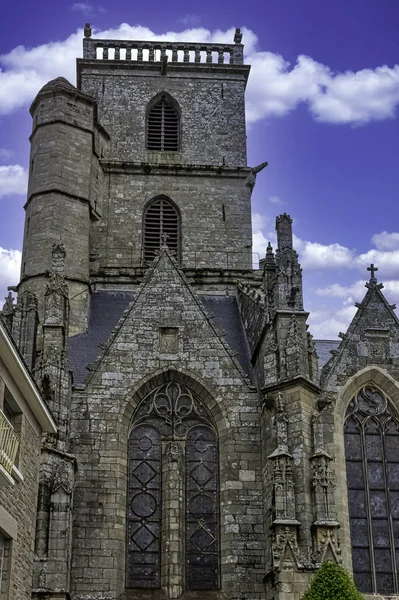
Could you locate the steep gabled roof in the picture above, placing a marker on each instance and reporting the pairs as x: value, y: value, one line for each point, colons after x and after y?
x: 110, y: 309
x: 374, y: 321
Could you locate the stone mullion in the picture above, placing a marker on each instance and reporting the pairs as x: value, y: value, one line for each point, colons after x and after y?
x: 172, y: 546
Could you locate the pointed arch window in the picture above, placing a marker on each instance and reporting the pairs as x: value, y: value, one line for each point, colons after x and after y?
x: 161, y: 226
x: 372, y: 465
x: 163, y: 126
x: 173, y: 454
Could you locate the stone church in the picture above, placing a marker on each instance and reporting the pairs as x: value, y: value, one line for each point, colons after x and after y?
x: 207, y: 447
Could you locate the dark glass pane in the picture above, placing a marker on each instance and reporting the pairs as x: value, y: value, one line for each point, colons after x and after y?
x: 378, y: 504
x: 394, y: 505
x: 395, y: 527
x: 393, y: 475
x: 375, y: 475
x: 361, y: 559
x: 374, y: 447
x: 359, y: 532
x: 357, y: 503
x: 380, y: 533
x: 384, y: 583
x: 363, y: 582
x: 382, y: 558
x: 202, y: 540
x: 144, y: 509
x: 355, y: 475
x: 353, y: 446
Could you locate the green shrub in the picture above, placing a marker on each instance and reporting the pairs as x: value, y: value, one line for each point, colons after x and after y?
x: 332, y: 582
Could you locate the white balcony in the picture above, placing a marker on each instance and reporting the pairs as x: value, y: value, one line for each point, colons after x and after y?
x: 9, y: 444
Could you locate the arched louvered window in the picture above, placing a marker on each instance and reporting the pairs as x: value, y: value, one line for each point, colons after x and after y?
x: 372, y: 467
x: 161, y: 227
x: 173, y: 455
x: 163, y: 127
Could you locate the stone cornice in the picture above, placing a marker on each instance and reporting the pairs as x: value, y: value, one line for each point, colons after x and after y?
x: 186, y: 169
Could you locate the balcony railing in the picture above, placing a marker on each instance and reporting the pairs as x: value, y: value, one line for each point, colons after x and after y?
x: 9, y: 443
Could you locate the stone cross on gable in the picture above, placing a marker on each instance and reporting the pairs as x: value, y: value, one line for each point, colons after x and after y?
x: 373, y: 269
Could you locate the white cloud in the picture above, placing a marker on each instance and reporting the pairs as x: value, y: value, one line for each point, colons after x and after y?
x: 275, y: 200
x: 13, y: 180
x: 259, y: 244
x: 314, y: 256
x: 386, y: 241
x: 190, y: 20
x: 10, y: 265
x: 327, y: 329
x: 275, y: 87
x: 6, y: 154
x: 87, y: 9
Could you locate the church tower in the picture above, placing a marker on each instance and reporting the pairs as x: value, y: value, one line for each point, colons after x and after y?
x: 198, y: 440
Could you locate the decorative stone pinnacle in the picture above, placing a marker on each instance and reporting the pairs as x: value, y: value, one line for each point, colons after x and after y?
x: 87, y: 30
x: 282, y: 217
x: 238, y: 36
x: 372, y: 269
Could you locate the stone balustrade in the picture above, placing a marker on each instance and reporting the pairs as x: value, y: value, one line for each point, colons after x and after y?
x: 150, y: 51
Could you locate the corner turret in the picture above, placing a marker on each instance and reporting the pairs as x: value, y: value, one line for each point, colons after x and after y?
x: 64, y: 191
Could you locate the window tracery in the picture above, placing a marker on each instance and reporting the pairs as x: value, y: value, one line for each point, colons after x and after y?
x: 172, y: 413
x: 372, y: 463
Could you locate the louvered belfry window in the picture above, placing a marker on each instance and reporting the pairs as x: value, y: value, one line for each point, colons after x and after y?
x: 163, y: 127
x: 161, y: 227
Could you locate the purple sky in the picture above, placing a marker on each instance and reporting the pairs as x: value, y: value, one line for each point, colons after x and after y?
x: 322, y: 104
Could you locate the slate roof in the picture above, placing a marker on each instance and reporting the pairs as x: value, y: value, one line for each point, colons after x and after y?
x: 227, y: 316
x: 323, y: 349
x: 107, y: 307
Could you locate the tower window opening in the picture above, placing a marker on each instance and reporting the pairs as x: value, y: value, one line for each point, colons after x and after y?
x: 161, y: 227
x: 163, y: 127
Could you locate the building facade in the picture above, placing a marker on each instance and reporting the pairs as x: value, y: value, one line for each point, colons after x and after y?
x: 23, y: 419
x: 206, y: 445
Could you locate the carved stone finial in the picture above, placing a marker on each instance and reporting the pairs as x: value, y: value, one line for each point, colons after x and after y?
x: 237, y: 36
x: 87, y: 30
x: 164, y: 241
x: 9, y: 304
x: 270, y: 263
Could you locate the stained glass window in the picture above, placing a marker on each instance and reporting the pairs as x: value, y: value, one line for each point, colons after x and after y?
x: 372, y: 468
x: 172, y: 412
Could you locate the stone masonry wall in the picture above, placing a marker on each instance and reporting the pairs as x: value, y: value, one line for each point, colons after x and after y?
x: 215, y: 220
x: 101, y: 413
x: 211, y: 103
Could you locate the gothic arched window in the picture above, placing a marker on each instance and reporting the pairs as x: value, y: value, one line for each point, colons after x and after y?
x: 161, y: 227
x: 372, y: 467
x: 163, y: 125
x: 172, y: 454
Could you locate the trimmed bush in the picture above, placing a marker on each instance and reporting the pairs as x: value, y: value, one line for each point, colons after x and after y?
x: 332, y: 582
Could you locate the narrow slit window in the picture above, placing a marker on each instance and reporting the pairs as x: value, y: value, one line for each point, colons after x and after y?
x: 161, y: 227
x: 163, y: 127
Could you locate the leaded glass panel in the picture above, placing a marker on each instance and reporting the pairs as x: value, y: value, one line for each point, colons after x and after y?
x: 202, y: 509
x: 372, y: 467
x: 144, y: 508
